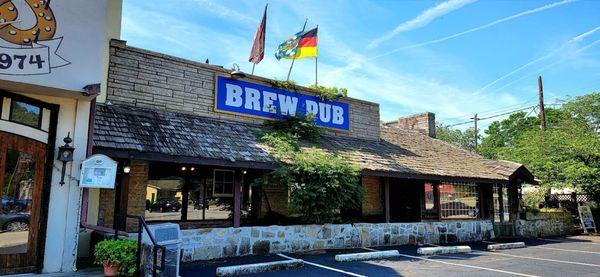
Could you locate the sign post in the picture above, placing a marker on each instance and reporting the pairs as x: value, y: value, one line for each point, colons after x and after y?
x: 586, y: 217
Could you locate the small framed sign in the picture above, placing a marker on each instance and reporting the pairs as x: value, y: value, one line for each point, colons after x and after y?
x: 587, y: 219
x: 98, y: 171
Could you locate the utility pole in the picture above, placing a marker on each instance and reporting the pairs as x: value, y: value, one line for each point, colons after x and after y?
x: 541, y: 105
x: 475, y: 119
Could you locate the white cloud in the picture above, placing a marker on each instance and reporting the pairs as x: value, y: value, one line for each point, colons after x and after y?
x: 485, y: 26
x: 421, y: 20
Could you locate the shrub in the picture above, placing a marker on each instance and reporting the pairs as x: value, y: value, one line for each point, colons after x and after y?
x: 321, y: 183
x: 117, y: 252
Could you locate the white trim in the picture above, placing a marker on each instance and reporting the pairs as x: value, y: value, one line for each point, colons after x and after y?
x: 214, y: 181
x: 45, y: 120
x: 5, y: 108
x: 23, y: 130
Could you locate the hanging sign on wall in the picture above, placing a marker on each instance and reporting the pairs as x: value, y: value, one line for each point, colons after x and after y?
x: 250, y: 99
x: 98, y: 171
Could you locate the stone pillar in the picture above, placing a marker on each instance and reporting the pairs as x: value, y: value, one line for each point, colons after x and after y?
x: 136, y: 198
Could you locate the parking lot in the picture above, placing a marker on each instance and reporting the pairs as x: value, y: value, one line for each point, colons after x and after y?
x: 572, y: 256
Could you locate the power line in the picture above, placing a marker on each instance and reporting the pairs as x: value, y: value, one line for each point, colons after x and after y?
x: 492, y: 116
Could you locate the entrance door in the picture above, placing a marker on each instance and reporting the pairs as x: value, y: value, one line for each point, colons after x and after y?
x: 21, y: 180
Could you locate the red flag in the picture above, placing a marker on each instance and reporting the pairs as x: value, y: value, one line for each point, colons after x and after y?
x: 258, y: 47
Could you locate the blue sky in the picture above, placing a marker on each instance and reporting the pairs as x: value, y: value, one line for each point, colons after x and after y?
x: 454, y: 58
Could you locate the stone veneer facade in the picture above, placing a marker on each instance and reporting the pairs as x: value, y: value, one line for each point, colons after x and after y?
x: 142, y: 78
x: 544, y: 228
x: 215, y: 243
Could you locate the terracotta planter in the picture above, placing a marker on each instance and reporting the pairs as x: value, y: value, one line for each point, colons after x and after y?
x: 111, y: 270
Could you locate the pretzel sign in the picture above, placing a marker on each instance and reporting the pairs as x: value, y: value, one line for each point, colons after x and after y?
x: 34, y: 49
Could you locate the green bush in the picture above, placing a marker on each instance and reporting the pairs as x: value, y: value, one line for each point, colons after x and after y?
x: 321, y: 184
x: 117, y: 252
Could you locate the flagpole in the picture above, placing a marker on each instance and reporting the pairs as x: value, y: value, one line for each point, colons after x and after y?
x: 294, y: 58
x: 317, y: 65
x: 253, y: 65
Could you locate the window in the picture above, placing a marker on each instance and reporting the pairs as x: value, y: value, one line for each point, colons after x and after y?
x: 223, y: 182
x: 459, y: 201
x: 26, y: 114
x: 430, y: 211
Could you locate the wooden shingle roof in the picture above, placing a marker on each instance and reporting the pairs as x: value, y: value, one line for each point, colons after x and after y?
x: 398, y: 153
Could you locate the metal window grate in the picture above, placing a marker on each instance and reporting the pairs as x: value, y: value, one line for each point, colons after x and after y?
x: 459, y: 200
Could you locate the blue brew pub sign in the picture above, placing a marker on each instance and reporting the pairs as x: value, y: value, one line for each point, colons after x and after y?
x: 239, y: 97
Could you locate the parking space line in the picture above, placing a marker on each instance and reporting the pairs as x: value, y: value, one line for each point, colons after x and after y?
x: 532, y: 258
x: 569, y: 240
x: 325, y: 267
x: 462, y: 265
x: 535, y: 258
x: 567, y: 250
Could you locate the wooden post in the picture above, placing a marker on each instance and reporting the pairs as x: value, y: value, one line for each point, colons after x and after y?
x: 237, y: 202
x: 475, y: 119
x: 501, y: 200
x: 541, y: 105
x: 387, y: 199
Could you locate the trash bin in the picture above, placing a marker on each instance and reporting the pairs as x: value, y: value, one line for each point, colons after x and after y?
x: 169, y: 236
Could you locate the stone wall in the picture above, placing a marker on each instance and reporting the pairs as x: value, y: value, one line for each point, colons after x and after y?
x: 148, y: 79
x: 544, y: 228
x: 373, y: 203
x: 207, y: 243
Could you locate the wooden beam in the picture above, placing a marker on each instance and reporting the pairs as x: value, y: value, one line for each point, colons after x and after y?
x: 387, y: 199
x: 237, y: 201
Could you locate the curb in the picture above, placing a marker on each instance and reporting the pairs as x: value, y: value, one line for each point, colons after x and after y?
x: 443, y: 250
x: 364, y: 256
x: 258, y: 267
x: 500, y: 246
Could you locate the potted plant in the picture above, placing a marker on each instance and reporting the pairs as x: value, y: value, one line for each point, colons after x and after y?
x: 117, y: 256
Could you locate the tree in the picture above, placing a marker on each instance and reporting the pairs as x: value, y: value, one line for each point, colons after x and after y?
x: 567, y: 154
x: 464, y: 139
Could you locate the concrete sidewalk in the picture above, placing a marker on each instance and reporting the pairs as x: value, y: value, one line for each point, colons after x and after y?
x: 88, y: 272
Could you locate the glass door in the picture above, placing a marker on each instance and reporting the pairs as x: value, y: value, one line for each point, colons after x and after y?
x: 21, y: 180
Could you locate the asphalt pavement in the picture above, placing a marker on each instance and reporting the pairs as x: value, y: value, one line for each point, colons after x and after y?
x: 571, y: 256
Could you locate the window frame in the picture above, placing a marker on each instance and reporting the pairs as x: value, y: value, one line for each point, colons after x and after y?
x: 214, y: 179
x: 478, y: 205
x: 14, y: 101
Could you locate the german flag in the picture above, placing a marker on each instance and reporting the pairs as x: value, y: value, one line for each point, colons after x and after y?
x: 307, y: 47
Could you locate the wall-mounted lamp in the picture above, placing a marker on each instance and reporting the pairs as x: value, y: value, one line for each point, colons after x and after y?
x: 237, y: 73
x: 192, y: 168
x: 126, y: 169
x: 65, y: 154
x: 183, y: 168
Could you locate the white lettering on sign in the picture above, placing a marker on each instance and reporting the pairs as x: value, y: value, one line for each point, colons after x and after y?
x: 234, y: 96
x: 288, y: 104
x: 256, y: 100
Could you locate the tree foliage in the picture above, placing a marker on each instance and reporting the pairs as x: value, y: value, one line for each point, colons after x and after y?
x: 321, y: 183
x: 567, y: 154
x: 464, y: 139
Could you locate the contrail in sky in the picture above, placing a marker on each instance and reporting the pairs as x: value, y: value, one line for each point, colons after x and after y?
x: 422, y: 19
x: 485, y: 26
x: 588, y: 46
x: 572, y: 40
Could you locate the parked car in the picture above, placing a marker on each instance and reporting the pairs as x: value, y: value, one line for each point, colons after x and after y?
x: 14, y: 221
x: 18, y: 205
x: 166, y: 205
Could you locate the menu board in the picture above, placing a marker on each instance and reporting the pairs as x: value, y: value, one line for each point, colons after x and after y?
x: 98, y: 171
x: 587, y: 218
